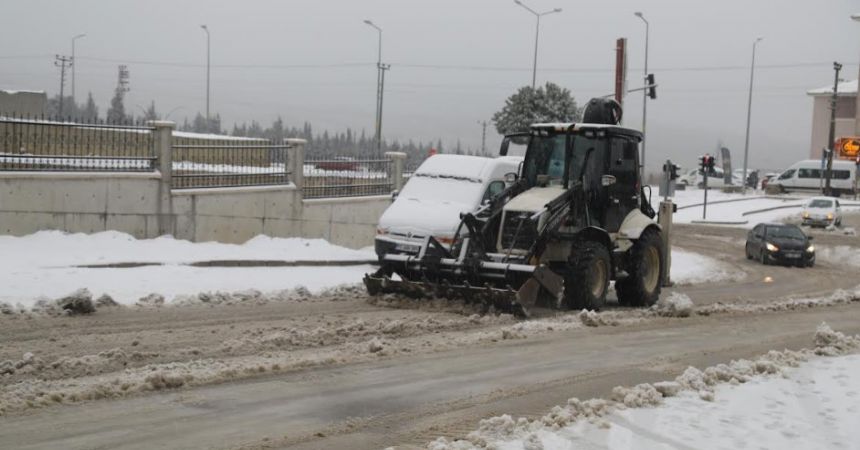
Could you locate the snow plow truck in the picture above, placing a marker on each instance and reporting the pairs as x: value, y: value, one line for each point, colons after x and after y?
x: 575, y: 217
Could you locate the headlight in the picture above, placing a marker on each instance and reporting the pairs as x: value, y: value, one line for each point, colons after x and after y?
x: 805, y: 214
x: 810, y: 249
x: 829, y: 216
x: 772, y: 248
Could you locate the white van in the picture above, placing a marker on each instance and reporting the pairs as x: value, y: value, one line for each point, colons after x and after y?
x: 431, y: 201
x: 807, y: 176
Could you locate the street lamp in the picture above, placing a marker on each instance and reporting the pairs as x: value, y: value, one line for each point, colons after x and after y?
x: 206, y: 29
x: 645, y: 91
x: 537, y: 32
x: 380, y: 87
x: 749, y: 113
x: 74, y: 63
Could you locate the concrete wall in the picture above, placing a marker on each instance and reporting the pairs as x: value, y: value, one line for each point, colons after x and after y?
x: 92, y: 202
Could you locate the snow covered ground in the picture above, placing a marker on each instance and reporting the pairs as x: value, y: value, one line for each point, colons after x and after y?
x: 730, y: 208
x: 41, y: 264
x: 784, y: 399
x: 694, y: 268
x: 44, y: 265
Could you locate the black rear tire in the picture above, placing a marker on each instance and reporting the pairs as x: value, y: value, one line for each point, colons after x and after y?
x: 644, y: 281
x: 586, y: 281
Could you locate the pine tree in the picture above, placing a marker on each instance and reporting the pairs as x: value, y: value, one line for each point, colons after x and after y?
x: 150, y: 112
x: 91, y: 111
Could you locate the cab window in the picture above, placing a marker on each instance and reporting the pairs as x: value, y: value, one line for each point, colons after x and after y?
x: 494, y: 189
x: 787, y: 174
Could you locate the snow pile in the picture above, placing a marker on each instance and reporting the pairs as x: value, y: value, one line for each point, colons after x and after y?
x: 675, y: 305
x: 840, y: 255
x: 839, y: 297
x: 693, y: 268
x: 56, y: 256
x: 607, y: 423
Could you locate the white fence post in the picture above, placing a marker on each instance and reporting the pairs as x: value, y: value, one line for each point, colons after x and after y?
x: 296, y: 161
x: 162, y: 137
x: 398, y: 159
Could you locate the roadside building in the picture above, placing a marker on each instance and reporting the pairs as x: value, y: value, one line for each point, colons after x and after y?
x: 847, y: 119
x: 23, y: 103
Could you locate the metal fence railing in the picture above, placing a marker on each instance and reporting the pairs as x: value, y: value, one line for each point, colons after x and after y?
x: 346, y: 177
x: 207, y: 163
x: 48, y: 145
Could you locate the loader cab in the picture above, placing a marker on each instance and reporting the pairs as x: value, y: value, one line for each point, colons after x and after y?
x: 605, y: 159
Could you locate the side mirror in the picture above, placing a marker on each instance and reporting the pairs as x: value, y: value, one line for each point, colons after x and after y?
x: 809, y: 238
x: 511, y: 178
x: 394, y: 195
x: 608, y: 180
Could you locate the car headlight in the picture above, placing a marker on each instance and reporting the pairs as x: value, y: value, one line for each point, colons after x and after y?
x: 772, y: 248
x: 829, y: 216
x: 806, y: 214
x: 810, y: 249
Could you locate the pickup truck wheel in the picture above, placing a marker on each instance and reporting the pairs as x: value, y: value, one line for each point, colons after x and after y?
x: 644, y: 272
x: 587, y: 279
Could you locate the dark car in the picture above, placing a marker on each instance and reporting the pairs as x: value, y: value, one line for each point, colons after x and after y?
x: 781, y: 244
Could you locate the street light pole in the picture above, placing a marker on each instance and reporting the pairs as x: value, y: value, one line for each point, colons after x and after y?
x: 749, y: 113
x: 537, y: 34
x: 380, y: 87
x: 206, y: 29
x: 74, y: 63
x: 644, y: 92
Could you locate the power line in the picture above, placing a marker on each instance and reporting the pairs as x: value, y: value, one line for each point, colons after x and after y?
x: 433, y: 66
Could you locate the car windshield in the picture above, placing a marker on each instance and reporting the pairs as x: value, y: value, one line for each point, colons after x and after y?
x: 784, y: 232
x: 820, y: 203
x: 545, y: 156
x: 443, y: 189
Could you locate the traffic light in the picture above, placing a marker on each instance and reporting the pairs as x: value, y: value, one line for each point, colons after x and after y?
x: 703, y: 164
x: 651, y: 86
x: 711, y: 163
x: 672, y: 169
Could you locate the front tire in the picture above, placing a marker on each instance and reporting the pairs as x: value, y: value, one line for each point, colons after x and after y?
x: 645, y: 272
x: 587, y: 279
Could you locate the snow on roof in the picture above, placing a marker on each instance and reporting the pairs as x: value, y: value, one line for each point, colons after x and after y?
x: 562, y: 126
x: 20, y: 91
x: 459, y: 166
x: 848, y: 88
x: 219, y: 137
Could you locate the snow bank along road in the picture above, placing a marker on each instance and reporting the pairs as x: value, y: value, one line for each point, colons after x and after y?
x: 337, y: 371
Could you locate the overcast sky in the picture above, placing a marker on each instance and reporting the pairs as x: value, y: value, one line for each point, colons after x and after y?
x: 452, y: 62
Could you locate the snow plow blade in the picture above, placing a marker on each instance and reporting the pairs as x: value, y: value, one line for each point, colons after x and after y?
x: 506, y: 288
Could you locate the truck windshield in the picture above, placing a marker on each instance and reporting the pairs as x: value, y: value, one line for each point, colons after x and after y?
x: 545, y: 156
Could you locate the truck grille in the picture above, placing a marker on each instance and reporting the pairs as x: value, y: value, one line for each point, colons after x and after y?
x: 521, y: 240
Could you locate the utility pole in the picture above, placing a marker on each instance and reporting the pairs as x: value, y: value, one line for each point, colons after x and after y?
x: 645, y: 92
x: 749, y: 113
x: 832, y: 136
x: 206, y: 29
x: 74, y: 64
x: 62, y: 62
x: 380, y: 86
x: 483, y: 124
